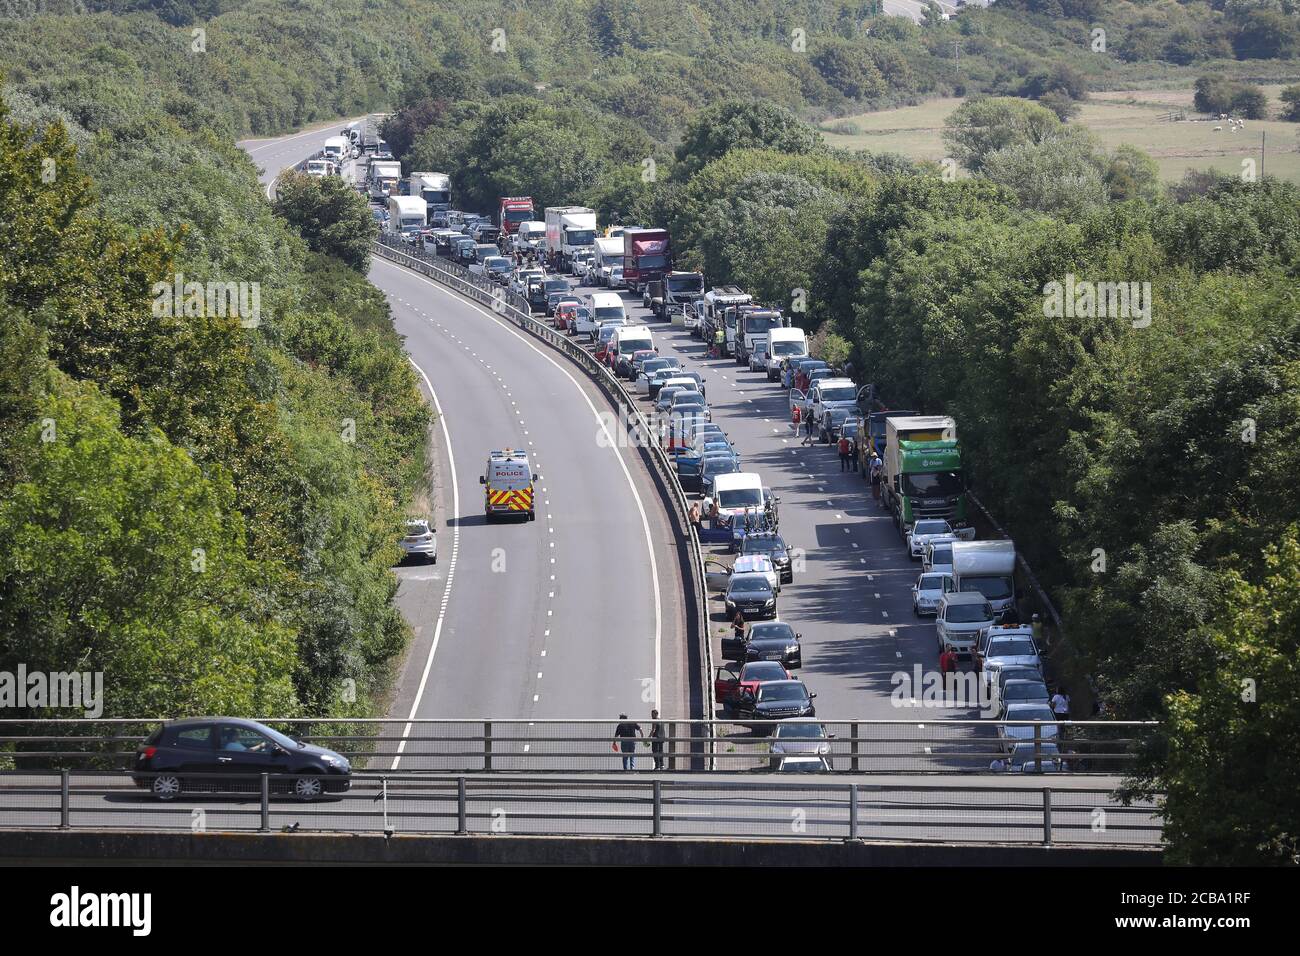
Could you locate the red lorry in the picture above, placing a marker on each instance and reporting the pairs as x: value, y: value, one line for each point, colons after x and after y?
x: 513, y: 211
x: 647, y: 256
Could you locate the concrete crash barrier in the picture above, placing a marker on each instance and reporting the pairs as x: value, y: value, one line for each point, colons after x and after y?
x: 32, y: 847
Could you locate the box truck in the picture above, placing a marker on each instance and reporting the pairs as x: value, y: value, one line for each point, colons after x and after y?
x: 988, y: 567
x: 922, y: 475
x: 569, y: 230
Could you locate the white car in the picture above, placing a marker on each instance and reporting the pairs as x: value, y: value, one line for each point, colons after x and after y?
x: 757, y: 360
x: 963, y: 616
x: 616, y: 277
x: 927, y: 592
x: 938, y: 556
x: 1010, y: 735
x: 761, y: 564
x: 932, y: 529
x: 803, y: 736
x: 420, y: 541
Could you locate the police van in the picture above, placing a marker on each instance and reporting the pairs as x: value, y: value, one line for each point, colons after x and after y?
x: 508, y: 485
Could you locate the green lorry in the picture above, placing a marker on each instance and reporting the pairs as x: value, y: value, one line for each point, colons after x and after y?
x: 922, y: 471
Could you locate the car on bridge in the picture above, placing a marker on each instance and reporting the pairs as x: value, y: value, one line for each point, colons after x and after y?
x: 229, y: 755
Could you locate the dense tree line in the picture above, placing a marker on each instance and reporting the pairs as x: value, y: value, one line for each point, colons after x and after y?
x: 202, y: 505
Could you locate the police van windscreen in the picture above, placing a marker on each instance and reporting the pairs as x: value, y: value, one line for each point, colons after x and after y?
x: 740, y: 498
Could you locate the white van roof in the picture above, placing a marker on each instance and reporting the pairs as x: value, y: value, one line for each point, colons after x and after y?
x: 737, y: 480
x: 634, y: 332
x: 604, y: 300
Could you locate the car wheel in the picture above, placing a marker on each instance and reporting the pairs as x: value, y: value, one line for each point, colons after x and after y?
x: 166, y: 786
x: 308, y: 788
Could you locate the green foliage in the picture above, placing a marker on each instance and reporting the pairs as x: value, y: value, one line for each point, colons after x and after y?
x: 1291, y: 97
x: 979, y: 127
x: 715, y: 131
x: 1219, y: 95
x: 333, y: 218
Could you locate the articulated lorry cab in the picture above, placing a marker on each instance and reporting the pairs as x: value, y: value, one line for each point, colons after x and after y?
x: 385, y: 178
x: 647, y: 255
x: 406, y: 214
x: 679, y: 289
x: 716, y: 302
x: 988, y: 567
x: 433, y: 188
x: 754, y: 325
x: 337, y: 149
x: 512, y: 211
x: 922, y: 471
x: 569, y: 231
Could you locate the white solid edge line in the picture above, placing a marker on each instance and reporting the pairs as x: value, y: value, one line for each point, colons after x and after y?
x: 451, y: 566
x: 613, y: 446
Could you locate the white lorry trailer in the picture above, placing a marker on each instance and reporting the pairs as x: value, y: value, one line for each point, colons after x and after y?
x: 569, y: 231
x: 385, y: 178
x: 988, y: 567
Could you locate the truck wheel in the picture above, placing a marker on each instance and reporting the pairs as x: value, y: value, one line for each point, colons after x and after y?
x: 532, y: 516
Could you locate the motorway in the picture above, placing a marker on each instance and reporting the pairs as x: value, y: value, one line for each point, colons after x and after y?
x: 576, y: 614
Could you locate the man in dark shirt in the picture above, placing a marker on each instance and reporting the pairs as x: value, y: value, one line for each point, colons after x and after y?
x: 625, y: 735
x: 657, y: 739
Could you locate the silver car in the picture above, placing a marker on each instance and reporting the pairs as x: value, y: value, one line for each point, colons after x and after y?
x: 802, y: 737
x: 1011, y: 734
x: 420, y: 541
x: 927, y: 592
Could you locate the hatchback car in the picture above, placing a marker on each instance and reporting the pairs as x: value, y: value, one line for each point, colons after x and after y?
x: 1021, y: 692
x: 420, y: 541
x: 229, y: 755
x: 804, y: 738
x: 1010, y: 734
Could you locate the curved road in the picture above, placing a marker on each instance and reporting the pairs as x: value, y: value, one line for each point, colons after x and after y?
x: 577, y: 614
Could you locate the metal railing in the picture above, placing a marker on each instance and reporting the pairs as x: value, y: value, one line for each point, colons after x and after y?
x: 922, y: 745
x: 515, y: 308
x: 1039, y: 813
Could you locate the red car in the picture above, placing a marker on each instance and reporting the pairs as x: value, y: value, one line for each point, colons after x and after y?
x: 565, y: 314
x: 730, y: 684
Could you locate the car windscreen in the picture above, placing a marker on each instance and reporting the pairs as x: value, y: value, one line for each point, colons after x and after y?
x: 781, y: 692
x: 941, y: 555
x: 740, y: 498
x: 839, y: 393
x: 556, y: 285
x: 968, y: 613
x: 720, y: 466
x: 1024, y: 690
x: 771, y: 631
x: 750, y: 583
x: 993, y: 587
x: 931, y: 527
x: 1036, y: 712
x: 1011, y: 649
x: 931, y: 582
x: 801, y: 731
x: 763, y: 670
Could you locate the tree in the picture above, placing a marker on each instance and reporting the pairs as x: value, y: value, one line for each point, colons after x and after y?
x: 1132, y: 174
x: 1290, y: 95
x: 980, y: 126
x: 1231, y: 757
x: 333, y: 218
x: 735, y: 124
x: 1061, y: 175
x: 845, y: 68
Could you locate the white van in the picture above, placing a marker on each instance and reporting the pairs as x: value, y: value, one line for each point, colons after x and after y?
x: 739, y: 492
x: 337, y: 148
x: 626, y: 342
x: 784, y: 344
x: 606, y: 306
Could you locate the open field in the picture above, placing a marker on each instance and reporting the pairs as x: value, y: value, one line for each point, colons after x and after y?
x: 1138, y: 117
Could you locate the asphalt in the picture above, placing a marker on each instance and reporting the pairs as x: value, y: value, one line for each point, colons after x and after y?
x: 575, y: 614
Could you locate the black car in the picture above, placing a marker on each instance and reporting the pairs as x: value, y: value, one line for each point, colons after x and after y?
x: 552, y: 291
x: 774, y: 546
x: 778, y: 700
x: 765, y: 641
x: 180, y: 756
x: 751, y: 594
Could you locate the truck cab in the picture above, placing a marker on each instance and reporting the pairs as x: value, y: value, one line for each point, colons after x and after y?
x: 922, y: 475
x: 754, y: 325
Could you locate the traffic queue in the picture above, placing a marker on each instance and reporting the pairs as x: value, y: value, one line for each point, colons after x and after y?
x: 910, y: 465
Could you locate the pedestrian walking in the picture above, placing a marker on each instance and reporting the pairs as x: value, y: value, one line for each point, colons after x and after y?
x: 657, y: 736
x: 875, y: 477
x: 845, y: 447
x: 947, y: 665
x: 796, y: 414
x: 625, y: 735
x: 1061, y: 705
